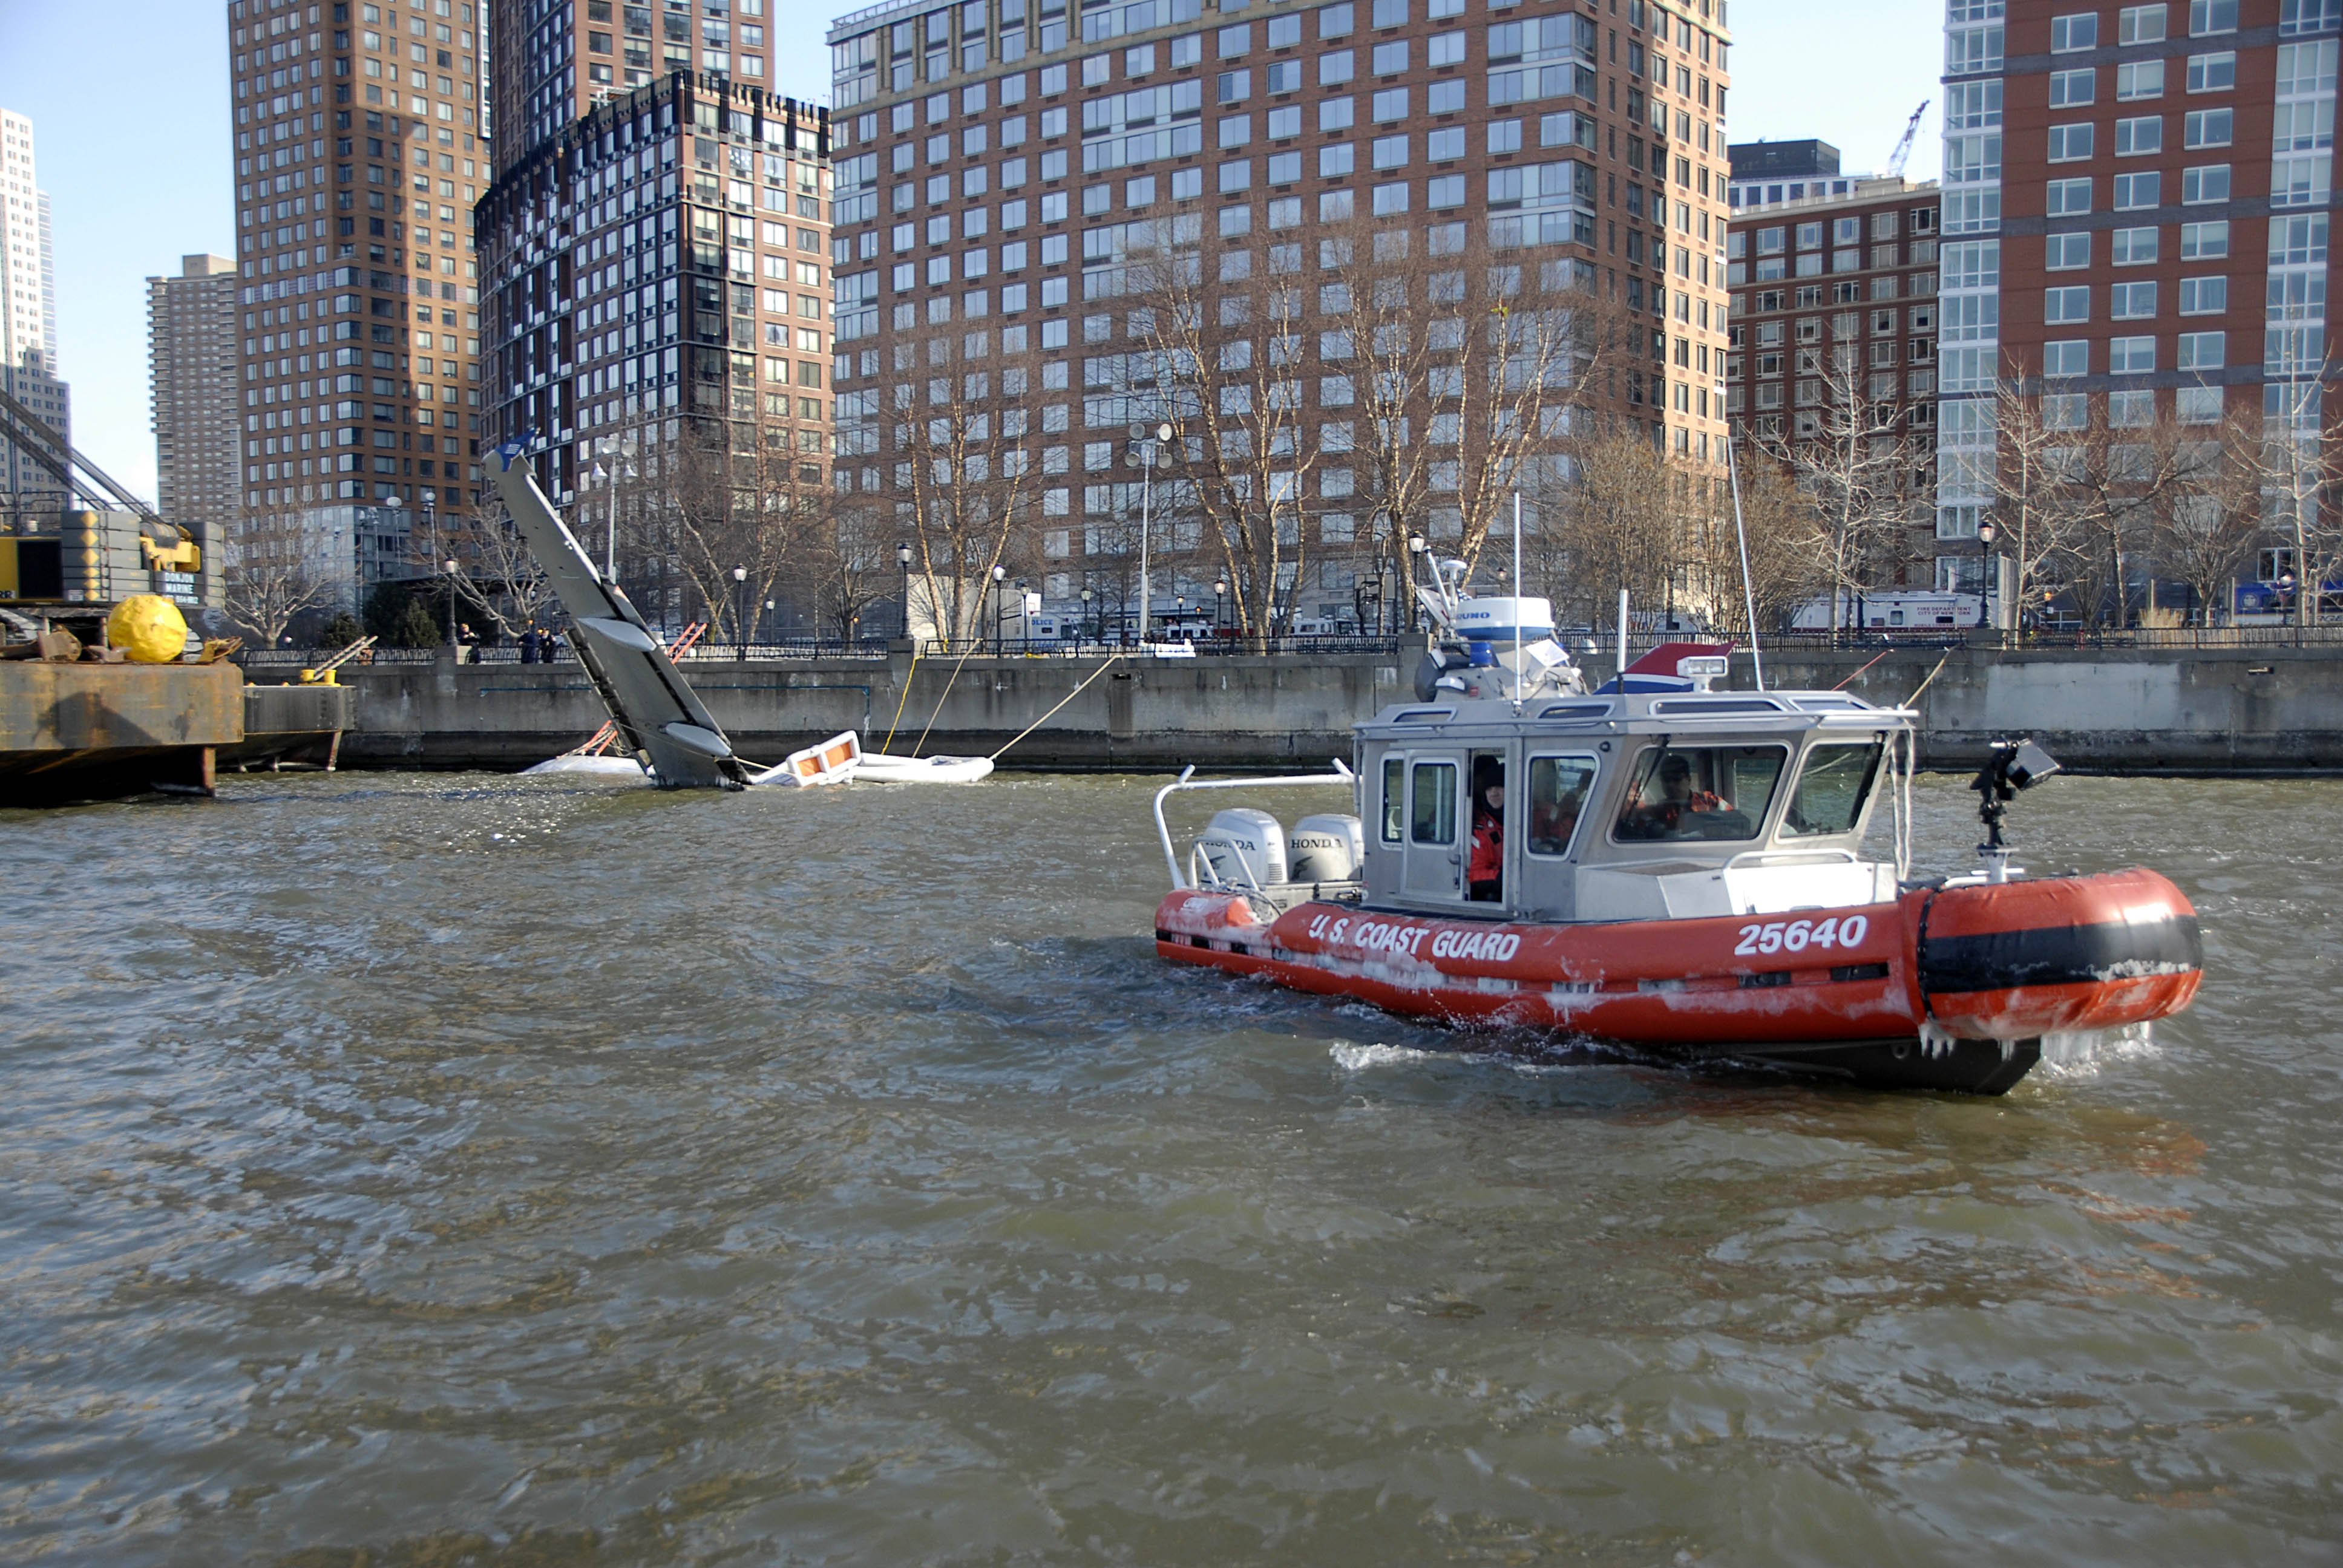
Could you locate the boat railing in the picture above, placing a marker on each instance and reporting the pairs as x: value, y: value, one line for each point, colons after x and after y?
x: 1188, y: 780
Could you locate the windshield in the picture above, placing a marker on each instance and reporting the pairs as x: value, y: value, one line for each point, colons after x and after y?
x: 1831, y: 791
x: 1705, y: 792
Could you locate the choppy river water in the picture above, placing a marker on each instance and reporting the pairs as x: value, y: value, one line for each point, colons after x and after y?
x: 400, y: 1169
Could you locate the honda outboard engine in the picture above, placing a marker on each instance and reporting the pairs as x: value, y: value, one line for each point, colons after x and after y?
x: 1328, y: 847
x: 1244, y: 847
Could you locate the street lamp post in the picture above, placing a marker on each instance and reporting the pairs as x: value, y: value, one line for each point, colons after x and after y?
x: 1219, y: 591
x: 903, y: 560
x: 450, y: 568
x: 740, y: 612
x: 1141, y: 456
x: 1086, y: 612
x: 999, y: 573
x: 1416, y: 546
x: 1989, y: 592
x: 769, y: 614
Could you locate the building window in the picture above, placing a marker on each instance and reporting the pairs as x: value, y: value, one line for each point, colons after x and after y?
x: 2212, y: 73
x: 2204, y: 241
x: 2198, y: 404
x: 2204, y: 296
x: 2066, y: 252
x: 2069, y: 34
x: 2073, y: 89
x: 2206, y: 16
x: 2139, y: 79
x: 2064, y: 306
x: 2209, y: 182
x: 2134, y: 192
x: 2070, y: 144
x: 2132, y: 247
x: 2131, y: 301
x: 2139, y: 138
x: 2139, y: 24
x: 2202, y: 351
x: 2207, y: 128
x: 2066, y: 358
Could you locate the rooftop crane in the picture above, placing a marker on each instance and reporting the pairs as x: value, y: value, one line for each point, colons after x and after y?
x: 1903, y: 153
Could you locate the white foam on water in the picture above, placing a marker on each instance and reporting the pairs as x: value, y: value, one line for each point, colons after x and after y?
x: 1353, y: 1058
x: 2081, y: 1053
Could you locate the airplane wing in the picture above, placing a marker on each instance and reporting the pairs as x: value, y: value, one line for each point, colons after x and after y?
x: 657, y: 714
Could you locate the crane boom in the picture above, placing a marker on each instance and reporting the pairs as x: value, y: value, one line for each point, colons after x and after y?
x: 1903, y: 153
x: 29, y: 431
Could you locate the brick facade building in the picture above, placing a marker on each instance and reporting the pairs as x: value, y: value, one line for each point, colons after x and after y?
x: 1001, y: 162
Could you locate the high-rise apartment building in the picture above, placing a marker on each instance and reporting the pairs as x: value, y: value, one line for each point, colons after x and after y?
x: 195, y: 350
x: 28, y: 318
x: 665, y: 257
x: 1836, y: 293
x: 656, y: 254
x: 2137, y: 212
x: 1031, y: 191
x: 361, y: 146
x: 556, y: 59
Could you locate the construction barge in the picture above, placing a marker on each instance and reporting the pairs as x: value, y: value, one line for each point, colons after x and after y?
x: 104, y: 692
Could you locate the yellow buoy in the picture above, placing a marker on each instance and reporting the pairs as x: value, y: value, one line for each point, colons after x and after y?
x: 148, y: 629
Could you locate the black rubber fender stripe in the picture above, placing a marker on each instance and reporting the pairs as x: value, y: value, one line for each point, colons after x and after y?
x: 2058, y: 955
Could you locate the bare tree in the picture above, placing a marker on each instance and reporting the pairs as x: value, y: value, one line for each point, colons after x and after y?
x: 1787, y: 556
x: 265, y: 596
x: 1856, y: 467
x: 1463, y: 362
x: 846, y: 565
x: 1224, y: 357
x: 2208, y: 522
x: 2022, y: 471
x: 2300, y: 466
x: 500, y: 576
x: 1618, y: 527
x: 964, y: 480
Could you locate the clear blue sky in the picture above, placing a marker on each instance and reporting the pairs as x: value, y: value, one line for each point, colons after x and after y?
x: 139, y: 165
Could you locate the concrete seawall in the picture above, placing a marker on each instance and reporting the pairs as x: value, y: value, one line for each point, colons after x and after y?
x: 2259, y: 710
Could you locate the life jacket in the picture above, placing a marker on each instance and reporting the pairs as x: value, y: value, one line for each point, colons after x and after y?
x: 1488, y: 862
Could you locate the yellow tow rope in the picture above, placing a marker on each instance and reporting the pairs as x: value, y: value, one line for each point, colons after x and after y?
x: 901, y: 700
x: 1045, y: 719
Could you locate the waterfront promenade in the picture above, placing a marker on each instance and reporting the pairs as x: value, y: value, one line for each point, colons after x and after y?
x: 2260, y: 708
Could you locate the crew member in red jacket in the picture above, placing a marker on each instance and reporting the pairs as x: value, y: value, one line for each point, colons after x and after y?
x: 1485, y: 873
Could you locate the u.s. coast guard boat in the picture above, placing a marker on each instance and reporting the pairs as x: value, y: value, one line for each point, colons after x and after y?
x: 1673, y: 869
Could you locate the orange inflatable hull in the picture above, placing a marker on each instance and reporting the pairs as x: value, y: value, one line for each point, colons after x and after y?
x: 1947, y: 987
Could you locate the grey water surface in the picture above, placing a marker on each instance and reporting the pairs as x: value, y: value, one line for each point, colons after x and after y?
x: 401, y: 1170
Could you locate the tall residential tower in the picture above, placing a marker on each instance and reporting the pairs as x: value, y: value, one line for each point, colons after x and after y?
x: 360, y: 149
x: 194, y: 352
x: 657, y: 256
x: 28, y: 318
x: 2138, y: 204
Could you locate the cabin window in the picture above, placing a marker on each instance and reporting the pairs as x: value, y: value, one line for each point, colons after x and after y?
x: 1433, y: 820
x: 1831, y: 791
x: 1558, y: 789
x: 1718, y: 794
x: 1395, y: 797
